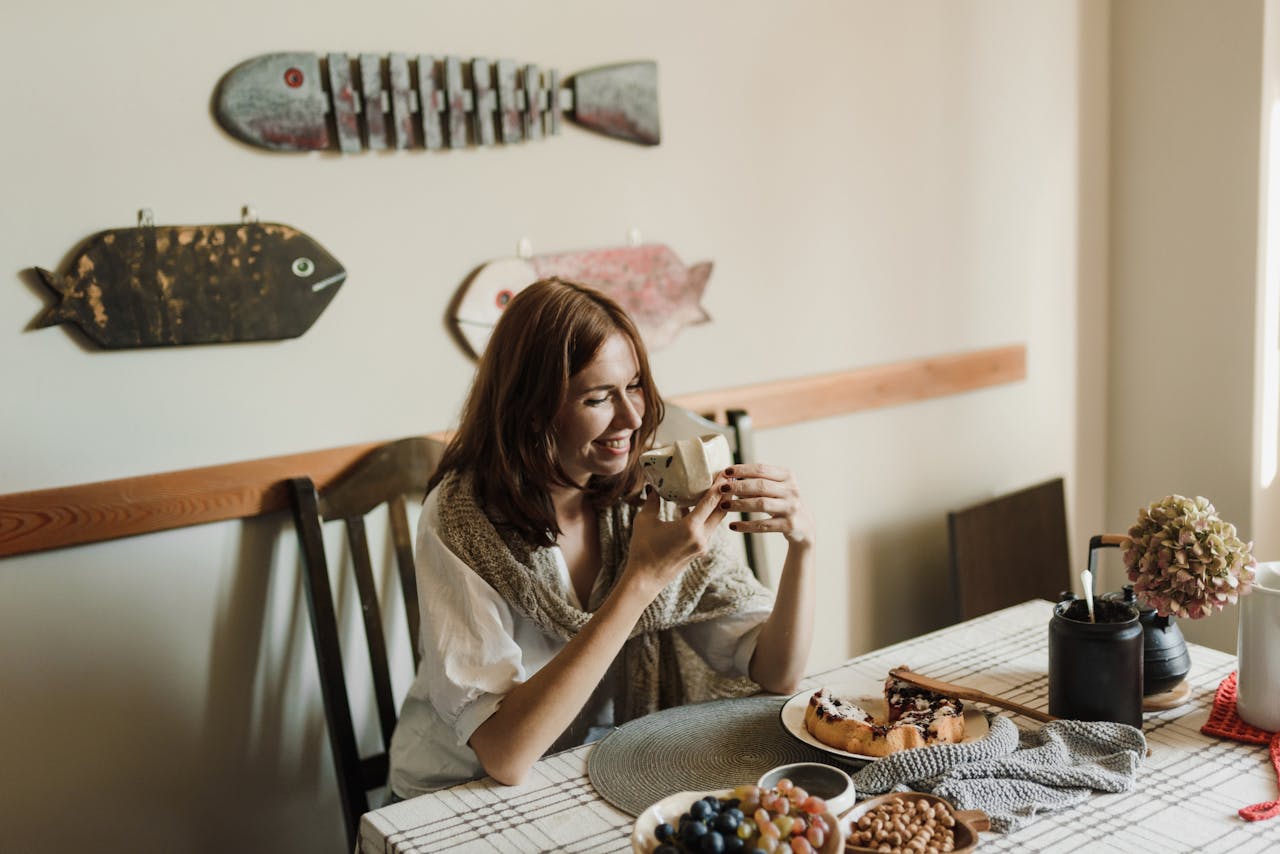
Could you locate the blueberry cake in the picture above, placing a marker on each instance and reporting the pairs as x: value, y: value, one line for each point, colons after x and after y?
x: 916, y: 718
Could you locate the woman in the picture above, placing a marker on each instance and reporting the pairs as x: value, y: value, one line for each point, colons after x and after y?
x: 548, y: 600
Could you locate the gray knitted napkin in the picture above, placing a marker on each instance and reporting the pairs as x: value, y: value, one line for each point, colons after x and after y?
x: 1011, y: 775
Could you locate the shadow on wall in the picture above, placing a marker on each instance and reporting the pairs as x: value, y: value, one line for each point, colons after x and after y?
x: 264, y: 756
x: 264, y: 766
x: 105, y: 745
x: 109, y: 724
x: 908, y: 590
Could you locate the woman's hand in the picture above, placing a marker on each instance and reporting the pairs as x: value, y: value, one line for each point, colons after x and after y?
x: 782, y: 648
x: 660, y: 550
x: 761, y: 488
x: 535, y: 712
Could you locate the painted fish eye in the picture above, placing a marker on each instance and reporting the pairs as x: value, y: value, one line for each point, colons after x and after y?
x: 503, y: 297
x: 293, y: 78
x: 303, y: 267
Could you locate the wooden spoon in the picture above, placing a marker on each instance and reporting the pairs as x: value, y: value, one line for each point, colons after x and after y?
x: 939, y: 687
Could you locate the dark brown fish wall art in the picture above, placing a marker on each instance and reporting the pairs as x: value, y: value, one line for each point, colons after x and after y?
x: 310, y: 102
x: 156, y: 286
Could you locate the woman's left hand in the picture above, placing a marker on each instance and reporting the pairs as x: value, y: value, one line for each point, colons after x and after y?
x: 771, y: 490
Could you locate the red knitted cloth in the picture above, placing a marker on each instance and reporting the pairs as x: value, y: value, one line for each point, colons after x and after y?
x: 1223, y: 721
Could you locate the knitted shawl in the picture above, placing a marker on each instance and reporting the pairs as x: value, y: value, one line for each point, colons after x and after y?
x: 527, y: 577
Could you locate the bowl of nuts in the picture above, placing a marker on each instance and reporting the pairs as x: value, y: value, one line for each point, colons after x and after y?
x: 912, y: 823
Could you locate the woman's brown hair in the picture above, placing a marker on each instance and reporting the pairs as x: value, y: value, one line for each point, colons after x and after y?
x: 547, y: 333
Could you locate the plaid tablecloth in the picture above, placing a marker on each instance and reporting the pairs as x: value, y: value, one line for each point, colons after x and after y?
x: 1186, y: 796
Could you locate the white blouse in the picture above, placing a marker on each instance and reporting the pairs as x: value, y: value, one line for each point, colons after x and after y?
x: 476, y: 648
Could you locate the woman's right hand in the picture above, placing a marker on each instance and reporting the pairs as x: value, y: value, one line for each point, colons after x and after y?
x: 535, y: 712
x: 660, y: 550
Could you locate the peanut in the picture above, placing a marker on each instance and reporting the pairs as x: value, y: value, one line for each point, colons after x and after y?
x: 906, y: 827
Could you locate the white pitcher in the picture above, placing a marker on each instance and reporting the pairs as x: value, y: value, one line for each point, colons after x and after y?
x: 1258, y: 688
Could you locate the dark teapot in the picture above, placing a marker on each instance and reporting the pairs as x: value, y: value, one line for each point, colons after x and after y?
x: 1165, y: 660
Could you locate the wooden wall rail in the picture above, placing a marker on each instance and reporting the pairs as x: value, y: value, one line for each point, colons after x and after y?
x: 53, y: 518
x: 791, y: 401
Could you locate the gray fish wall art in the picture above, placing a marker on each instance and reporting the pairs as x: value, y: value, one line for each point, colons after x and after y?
x: 155, y: 286
x: 310, y: 102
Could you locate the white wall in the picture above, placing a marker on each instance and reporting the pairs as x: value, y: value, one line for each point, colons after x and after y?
x: 1086, y: 507
x: 1185, y: 178
x: 1266, y: 498
x: 875, y: 181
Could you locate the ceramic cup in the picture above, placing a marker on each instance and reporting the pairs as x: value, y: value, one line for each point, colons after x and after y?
x: 826, y: 781
x: 684, y: 470
x: 1095, y: 668
x: 1258, y: 685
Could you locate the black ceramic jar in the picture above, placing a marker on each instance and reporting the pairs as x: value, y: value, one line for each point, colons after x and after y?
x: 1095, y: 668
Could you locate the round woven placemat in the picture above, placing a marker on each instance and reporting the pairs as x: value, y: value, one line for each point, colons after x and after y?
x: 700, y: 747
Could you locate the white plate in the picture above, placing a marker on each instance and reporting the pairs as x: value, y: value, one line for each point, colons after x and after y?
x: 670, y: 808
x: 975, y: 722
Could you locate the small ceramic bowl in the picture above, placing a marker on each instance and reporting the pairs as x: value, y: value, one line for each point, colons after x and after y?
x: 968, y: 822
x: 826, y: 781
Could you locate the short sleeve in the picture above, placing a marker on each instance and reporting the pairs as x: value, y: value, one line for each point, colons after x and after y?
x: 470, y: 657
x: 727, y: 643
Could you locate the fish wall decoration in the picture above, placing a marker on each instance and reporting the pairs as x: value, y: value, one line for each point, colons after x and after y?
x: 155, y: 286
x: 661, y: 294
x: 309, y: 102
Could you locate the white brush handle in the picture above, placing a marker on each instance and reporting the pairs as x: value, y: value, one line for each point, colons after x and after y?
x: 1087, y: 578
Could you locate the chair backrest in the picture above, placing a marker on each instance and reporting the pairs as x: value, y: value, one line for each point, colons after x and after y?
x: 1010, y: 549
x: 383, y: 477
x: 681, y: 423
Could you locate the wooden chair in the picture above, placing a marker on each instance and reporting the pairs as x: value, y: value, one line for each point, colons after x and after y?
x: 681, y: 423
x: 1010, y: 549
x: 384, y: 477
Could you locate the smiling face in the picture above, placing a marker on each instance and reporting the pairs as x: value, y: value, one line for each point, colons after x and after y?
x: 595, y: 426
x: 562, y: 403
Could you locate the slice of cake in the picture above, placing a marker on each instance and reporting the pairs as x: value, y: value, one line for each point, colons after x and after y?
x: 916, y: 718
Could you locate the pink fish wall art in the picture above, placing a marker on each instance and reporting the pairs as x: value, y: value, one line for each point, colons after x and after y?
x: 657, y: 289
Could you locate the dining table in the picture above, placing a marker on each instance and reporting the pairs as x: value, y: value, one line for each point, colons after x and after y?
x: 1185, y: 796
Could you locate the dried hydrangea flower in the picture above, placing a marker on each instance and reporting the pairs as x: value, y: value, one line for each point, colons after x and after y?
x: 1184, y: 561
